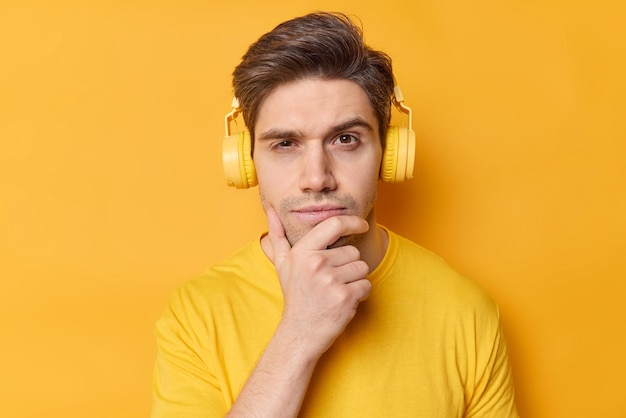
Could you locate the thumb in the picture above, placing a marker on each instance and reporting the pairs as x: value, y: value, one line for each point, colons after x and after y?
x: 278, y: 239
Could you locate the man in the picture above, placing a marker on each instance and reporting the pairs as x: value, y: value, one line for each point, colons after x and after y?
x: 328, y: 314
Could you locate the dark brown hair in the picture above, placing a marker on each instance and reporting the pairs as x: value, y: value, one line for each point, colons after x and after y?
x: 324, y: 45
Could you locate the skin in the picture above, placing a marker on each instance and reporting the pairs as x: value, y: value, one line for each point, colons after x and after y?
x: 317, y: 157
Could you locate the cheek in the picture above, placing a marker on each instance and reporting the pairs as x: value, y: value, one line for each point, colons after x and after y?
x: 268, y: 173
x: 362, y: 178
x: 369, y: 198
x: 269, y: 187
x: 264, y: 201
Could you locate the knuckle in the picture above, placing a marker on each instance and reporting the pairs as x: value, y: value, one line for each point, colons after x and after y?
x: 352, y: 251
x: 342, y: 295
x: 316, y: 262
x: 360, y: 268
x: 326, y: 277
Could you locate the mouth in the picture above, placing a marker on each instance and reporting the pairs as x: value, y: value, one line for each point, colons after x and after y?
x: 317, y: 214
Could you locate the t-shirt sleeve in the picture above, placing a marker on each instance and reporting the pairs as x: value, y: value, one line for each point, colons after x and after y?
x: 184, y: 385
x: 493, y: 392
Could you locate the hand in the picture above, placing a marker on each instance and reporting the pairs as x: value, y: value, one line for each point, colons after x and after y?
x: 322, y: 287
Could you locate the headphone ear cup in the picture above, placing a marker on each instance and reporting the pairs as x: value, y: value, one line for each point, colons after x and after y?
x: 237, y: 158
x: 389, y: 163
x: 399, y: 155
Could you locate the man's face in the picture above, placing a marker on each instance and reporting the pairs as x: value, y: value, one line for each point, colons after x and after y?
x: 317, y: 154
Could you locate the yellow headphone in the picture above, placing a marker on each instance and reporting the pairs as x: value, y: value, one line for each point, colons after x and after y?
x: 397, y: 163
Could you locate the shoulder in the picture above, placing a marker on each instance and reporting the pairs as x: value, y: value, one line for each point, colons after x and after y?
x: 242, y: 275
x: 438, y: 283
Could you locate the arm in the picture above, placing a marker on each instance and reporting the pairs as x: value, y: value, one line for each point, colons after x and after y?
x: 322, y: 289
x: 183, y: 383
x: 494, y: 394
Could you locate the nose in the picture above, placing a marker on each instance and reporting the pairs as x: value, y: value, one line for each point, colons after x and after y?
x: 316, y: 170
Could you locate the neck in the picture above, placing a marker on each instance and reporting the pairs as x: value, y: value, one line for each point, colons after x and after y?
x: 373, y: 246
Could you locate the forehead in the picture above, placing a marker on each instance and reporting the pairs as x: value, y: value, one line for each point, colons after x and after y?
x: 312, y: 104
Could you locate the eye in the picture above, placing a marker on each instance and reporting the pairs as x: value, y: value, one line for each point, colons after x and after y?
x: 347, y: 141
x: 282, y: 145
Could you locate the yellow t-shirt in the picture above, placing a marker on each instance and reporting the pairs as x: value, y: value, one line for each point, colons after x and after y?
x: 426, y: 343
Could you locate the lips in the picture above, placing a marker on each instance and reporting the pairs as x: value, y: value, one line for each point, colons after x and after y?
x: 316, y: 214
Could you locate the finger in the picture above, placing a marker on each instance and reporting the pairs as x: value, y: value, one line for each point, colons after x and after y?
x: 278, y: 239
x: 340, y: 256
x: 362, y: 289
x: 351, y: 272
x: 330, y: 230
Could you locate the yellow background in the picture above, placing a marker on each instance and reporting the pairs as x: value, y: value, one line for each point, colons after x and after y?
x: 112, y: 193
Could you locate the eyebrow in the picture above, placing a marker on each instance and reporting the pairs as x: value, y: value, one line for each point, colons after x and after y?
x: 277, y: 133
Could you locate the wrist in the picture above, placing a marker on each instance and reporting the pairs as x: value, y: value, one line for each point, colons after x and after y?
x: 297, y: 345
